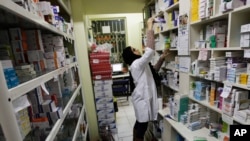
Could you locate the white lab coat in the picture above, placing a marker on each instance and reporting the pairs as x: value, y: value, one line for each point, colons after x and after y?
x: 144, y: 96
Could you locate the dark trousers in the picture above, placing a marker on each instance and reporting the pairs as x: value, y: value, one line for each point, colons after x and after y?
x: 140, y: 129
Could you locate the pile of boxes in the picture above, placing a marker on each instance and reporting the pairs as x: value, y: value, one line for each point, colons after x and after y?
x: 245, y: 35
x: 25, y: 72
x: 43, y: 51
x: 236, y: 68
x: 242, y: 108
x: 236, y: 105
x: 227, y: 5
x: 214, y: 35
x: 19, y: 44
x: 27, y: 47
x: 44, y: 112
x: 195, y: 115
x: 205, y: 8
x: 180, y: 106
x: 216, y: 66
x: 232, y: 67
x: 198, y: 116
x: 209, y: 92
x: 54, y: 51
x: 102, y: 77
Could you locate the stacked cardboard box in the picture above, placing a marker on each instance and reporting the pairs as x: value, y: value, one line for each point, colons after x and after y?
x: 102, y: 75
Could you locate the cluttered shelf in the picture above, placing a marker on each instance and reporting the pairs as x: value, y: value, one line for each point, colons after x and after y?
x: 188, y: 134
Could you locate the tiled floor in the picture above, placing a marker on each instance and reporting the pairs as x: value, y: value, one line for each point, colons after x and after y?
x: 125, y: 119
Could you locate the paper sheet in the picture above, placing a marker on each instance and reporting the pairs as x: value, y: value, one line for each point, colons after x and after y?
x: 184, y: 63
x: 105, y: 29
x: 183, y: 45
x: 183, y: 35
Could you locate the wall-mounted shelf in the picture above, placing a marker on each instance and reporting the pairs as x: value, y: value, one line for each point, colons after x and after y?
x: 183, y: 130
x: 32, y: 84
x: 37, y: 21
x: 58, y: 124
x: 172, y: 7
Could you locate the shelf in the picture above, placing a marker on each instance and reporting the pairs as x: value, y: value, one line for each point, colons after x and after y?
x: 172, y: 7
x: 59, y: 122
x: 237, y: 85
x: 210, y: 19
x: 78, y: 124
x: 170, y: 68
x: 204, y: 103
x: 86, y: 132
x: 171, y: 87
x: 184, y: 131
x: 201, y: 77
x: 173, y: 49
x: 170, y: 29
x: 218, y: 49
x: 25, y: 87
x: 64, y: 6
x: 245, y: 8
x: 241, y: 122
x: 24, y: 14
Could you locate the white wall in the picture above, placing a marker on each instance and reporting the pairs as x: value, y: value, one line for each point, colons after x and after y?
x: 133, y: 26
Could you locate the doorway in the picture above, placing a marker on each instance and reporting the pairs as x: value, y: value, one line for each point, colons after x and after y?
x: 110, y: 31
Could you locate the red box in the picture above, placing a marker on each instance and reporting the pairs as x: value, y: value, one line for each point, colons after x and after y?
x: 99, y: 61
x: 100, y: 55
x: 100, y: 67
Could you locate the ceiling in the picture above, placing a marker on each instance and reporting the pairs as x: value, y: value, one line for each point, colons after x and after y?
x: 113, y: 6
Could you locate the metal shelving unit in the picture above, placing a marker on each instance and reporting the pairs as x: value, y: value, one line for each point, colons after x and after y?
x: 28, y: 20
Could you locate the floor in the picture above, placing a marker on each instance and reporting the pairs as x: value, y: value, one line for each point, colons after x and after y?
x: 125, y: 119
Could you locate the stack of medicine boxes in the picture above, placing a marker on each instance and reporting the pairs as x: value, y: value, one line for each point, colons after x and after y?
x: 102, y: 77
x: 9, y: 73
x: 22, y: 116
x: 181, y: 106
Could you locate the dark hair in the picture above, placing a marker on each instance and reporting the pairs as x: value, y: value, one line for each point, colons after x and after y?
x: 128, y: 55
x: 128, y: 58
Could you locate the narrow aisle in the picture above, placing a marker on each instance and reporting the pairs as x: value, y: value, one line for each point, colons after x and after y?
x: 125, y: 119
